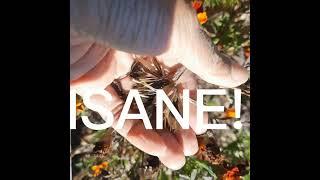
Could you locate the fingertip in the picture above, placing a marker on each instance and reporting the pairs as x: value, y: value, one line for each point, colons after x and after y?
x: 188, y: 141
x: 217, y: 70
x: 172, y: 162
x: 101, y: 75
x: 193, y: 119
x: 174, y: 156
x: 200, y: 131
x: 229, y: 75
x: 90, y: 58
x: 239, y: 74
x: 146, y: 140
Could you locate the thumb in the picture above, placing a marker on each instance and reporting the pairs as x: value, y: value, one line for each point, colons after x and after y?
x: 190, y: 47
x: 213, y: 67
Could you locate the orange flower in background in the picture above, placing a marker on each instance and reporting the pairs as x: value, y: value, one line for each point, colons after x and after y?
x: 104, y: 165
x: 196, y: 4
x: 202, y: 17
x: 230, y: 113
x: 79, y: 105
x: 201, y: 145
x: 233, y: 174
x: 97, y: 169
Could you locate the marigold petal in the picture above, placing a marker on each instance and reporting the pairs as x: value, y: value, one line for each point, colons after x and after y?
x: 232, y: 174
x: 230, y: 113
x: 202, y: 17
x: 196, y: 4
x: 94, y: 168
x: 104, y: 164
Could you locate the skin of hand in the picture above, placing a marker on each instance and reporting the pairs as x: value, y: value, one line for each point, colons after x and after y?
x: 104, y: 34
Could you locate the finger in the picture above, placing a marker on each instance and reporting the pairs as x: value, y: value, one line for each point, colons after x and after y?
x: 114, y: 105
x: 188, y: 81
x: 95, y: 54
x: 113, y: 65
x: 146, y: 140
x: 78, y: 51
x: 99, y: 76
x: 134, y: 131
x: 188, y: 140
x: 219, y: 73
x: 174, y: 156
x: 193, y: 119
x: 76, y: 38
x: 190, y: 47
x: 202, y: 59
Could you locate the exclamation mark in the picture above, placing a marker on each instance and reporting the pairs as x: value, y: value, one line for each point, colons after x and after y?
x: 237, y: 104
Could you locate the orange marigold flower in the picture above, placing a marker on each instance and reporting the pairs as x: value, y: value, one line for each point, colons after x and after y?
x: 196, y: 4
x: 230, y: 113
x: 202, y: 17
x: 97, y: 169
x: 94, y: 168
x: 104, y: 164
x: 97, y: 173
x: 202, y: 147
x: 79, y: 106
x: 233, y: 174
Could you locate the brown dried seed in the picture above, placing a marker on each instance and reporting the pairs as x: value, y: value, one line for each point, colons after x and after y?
x: 149, y: 74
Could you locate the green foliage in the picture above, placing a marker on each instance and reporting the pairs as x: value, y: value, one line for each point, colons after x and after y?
x: 224, y: 3
x: 163, y: 175
x: 98, y: 135
x: 227, y: 33
x: 239, y: 150
x: 202, y: 168
x: 247, y: 177
x: 85, y: 163
x: 227, y: 24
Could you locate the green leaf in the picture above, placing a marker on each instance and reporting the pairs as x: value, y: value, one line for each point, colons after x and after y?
x: 163, y: 176
x: 247, y: 177
x: 205, y: 166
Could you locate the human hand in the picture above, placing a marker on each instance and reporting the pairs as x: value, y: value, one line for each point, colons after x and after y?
x: 96, y: 60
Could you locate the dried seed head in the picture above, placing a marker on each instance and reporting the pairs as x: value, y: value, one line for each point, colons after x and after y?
x: 148, y: 74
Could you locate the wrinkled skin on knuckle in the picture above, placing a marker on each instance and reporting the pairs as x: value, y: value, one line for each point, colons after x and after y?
x: 135, y: 26
x: 185, y: 32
